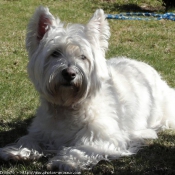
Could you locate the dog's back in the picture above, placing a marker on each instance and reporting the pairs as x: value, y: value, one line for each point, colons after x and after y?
x: 147, y: 101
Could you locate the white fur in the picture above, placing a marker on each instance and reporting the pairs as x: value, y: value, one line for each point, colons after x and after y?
x: 105, y: 112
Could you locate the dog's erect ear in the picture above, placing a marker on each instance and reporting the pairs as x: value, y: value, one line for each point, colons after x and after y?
x: 98, y: 33
x: 38, y: 26
x: 98, y: 30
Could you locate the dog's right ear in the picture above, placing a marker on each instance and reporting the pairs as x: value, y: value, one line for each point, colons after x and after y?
x: 38, y: 26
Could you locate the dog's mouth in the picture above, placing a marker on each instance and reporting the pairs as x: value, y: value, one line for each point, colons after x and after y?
x: 67, y: 85
x: 70, y: 85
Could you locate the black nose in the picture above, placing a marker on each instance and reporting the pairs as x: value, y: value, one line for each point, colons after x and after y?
x: 68, y: 74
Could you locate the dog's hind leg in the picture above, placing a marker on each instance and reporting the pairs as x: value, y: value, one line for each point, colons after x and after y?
x: 168, y: 121
x: 145, y: 134
x: 26, y: 148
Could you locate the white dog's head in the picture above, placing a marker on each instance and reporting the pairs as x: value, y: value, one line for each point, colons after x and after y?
x: 66, y: 64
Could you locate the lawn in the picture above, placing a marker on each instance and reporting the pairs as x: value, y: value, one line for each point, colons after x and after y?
x: 150, y: 41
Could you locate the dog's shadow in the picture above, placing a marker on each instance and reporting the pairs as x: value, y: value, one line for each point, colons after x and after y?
x: 156, y: 158
x: 17, y: 129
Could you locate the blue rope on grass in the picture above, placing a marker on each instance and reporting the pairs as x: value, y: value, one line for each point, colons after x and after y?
x: 142, y: 16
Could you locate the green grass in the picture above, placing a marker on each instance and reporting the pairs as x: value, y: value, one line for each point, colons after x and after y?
x: 150, y: 41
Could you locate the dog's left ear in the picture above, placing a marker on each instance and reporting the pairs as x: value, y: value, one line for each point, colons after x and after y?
x: 98, y: 30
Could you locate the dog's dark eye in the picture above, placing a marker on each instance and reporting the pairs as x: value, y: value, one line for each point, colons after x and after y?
x: 56, y: 54
x: 83, y: 57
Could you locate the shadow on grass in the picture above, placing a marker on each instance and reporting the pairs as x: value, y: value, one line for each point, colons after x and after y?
x: 155, y: 159
x: 113, y: 7
x: 15, y: 130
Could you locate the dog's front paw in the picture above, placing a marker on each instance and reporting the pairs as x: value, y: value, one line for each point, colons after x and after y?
x: 62, y: 165
x: 12, y: 153
x: 16, y: 154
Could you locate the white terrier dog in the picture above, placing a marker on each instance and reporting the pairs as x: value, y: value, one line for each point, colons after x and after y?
x: 91, y: 109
